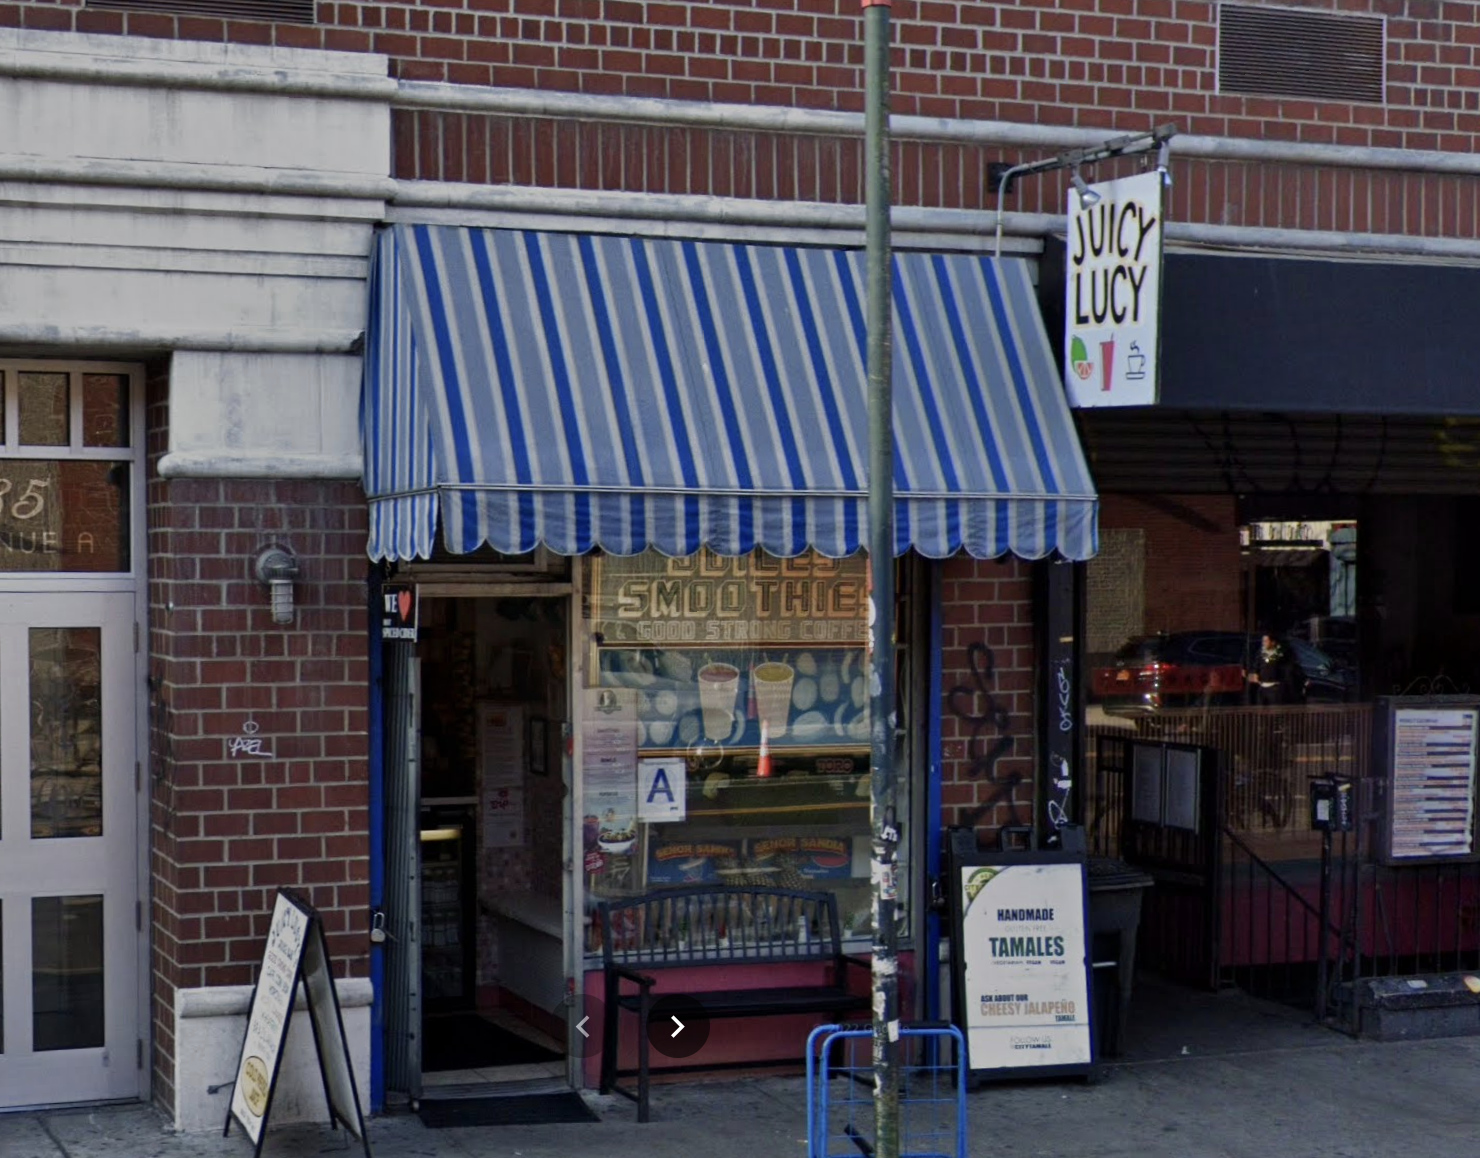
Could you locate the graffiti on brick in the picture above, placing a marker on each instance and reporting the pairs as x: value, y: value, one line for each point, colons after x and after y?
x: 248, y: 743
x: 989, y: 735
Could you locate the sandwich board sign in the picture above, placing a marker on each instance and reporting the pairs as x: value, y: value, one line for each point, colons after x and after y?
x: 296, y: 951
x: 1022, y: 961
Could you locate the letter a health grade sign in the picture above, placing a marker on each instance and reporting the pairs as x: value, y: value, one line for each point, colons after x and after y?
x: 1113, y: 293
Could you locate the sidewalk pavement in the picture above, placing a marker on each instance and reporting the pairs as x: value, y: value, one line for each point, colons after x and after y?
x: 1207, y: 1076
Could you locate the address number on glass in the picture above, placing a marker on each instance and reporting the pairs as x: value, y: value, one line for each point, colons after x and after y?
x: 30, y: 503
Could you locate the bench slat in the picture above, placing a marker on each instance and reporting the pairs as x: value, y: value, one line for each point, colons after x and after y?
x: 720, y: 924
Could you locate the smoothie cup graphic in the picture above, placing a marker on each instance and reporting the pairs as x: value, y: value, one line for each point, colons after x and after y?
x: 1107, y: 364
x: 772, y: 683
x: 719, y: 684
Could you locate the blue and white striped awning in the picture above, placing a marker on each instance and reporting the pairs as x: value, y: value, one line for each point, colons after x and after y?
x: 583, y: 391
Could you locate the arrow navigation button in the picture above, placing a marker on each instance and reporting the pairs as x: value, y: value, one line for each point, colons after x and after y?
x: 677, y: 1026
x: 581, y: 1023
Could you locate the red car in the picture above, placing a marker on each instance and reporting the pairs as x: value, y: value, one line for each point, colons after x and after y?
x: 1204, y: 669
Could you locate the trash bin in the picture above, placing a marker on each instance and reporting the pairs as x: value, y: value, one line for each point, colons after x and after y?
x: 1115, y: 890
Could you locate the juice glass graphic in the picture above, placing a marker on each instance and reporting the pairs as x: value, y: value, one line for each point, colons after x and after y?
x: 772, y: 683
x: 1107, y: 364
x: 718, y: 685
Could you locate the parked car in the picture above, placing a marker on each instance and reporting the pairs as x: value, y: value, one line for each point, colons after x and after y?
x: 1205, y: 669
x: 1336, y: 635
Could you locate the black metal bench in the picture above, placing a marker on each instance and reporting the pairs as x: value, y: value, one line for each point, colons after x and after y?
x: 705, y: 925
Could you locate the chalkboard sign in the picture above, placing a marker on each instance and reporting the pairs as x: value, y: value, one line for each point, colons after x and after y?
x: 1022, y: 967
x: 296, y: 950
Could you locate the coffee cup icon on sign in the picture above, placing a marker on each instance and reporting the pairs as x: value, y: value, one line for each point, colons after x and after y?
x: 1135, y: 363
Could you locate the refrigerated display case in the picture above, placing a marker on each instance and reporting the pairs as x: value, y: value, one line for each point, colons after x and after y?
x: 447, y: 910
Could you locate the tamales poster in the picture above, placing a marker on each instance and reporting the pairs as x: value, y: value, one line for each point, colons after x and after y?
x: 1026, y: 991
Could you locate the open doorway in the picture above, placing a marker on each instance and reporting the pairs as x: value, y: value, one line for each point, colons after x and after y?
x: 490, y: 811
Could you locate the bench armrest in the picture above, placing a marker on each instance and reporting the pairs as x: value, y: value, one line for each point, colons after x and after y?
x: 641, y: 979
x: 861, y: 962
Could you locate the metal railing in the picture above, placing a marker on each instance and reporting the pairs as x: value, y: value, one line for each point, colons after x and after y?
x: 1247, y: 913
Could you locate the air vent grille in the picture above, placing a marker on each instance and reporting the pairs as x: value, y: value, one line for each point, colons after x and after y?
x: 1290, y: 52
x: 274, y: 11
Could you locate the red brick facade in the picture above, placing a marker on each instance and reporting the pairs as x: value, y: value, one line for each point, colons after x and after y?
x: 1114, y: 65
x: 228, y: 829
x: 1193, y: 562
x: 1105, y: 63
x: 987, y: 680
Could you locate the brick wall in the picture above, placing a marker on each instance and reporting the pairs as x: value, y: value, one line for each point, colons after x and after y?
x: 1121, y: 63
x: 1115, y: 590
x: 1114, y: 65
x: 227, y: 830
x: 987, y: 719
x: 1192, y: 562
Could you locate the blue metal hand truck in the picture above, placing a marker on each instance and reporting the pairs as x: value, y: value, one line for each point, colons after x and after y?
x: 931, y: 1061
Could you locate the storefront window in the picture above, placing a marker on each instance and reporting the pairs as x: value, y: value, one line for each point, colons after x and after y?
x: 724, y: 721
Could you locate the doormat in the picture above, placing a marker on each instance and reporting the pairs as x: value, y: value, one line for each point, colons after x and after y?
x: 513, y: 1110
x: 465, y: 1041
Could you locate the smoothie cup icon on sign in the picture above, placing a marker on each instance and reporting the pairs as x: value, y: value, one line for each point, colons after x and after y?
x: 772, y: 682
x: 719, y: 684
x: 1107, y: 365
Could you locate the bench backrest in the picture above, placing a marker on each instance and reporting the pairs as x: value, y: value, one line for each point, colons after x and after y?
x: 706, y: 924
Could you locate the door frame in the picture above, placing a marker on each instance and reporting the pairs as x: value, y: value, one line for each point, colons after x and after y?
x: 134, y: 582
x: 473, y: 585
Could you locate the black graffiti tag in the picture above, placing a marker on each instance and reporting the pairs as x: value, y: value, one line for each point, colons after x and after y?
x: 989, y: 737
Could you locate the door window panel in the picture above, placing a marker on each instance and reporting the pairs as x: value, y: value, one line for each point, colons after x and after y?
x: 66, y: 732
x: 66, y: 972
x: 105, y: 409
x: 45, y: 410
x: 64, y: 515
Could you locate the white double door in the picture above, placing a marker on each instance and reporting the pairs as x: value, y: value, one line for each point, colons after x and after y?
x: 70, y: 1005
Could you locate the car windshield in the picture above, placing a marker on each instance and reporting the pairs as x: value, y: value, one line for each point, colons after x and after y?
x: 1311, y: 658
x: 1147, y: 649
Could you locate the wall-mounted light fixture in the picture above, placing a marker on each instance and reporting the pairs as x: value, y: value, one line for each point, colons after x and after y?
x: 1087, y: 196
x: 276, y: 568
x: 1001, y: 174
x: 1164, y: 162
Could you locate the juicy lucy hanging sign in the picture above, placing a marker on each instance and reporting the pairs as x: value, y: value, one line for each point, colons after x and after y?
x: 1114, y: 293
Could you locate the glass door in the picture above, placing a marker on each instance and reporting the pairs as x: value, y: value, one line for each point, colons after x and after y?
x: 69, y: 938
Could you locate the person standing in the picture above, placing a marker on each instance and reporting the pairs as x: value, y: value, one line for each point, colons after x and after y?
x: 1275, y: 678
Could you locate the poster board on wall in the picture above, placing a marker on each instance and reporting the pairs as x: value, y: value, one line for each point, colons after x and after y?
x: 1426, y: 748
x: 1021, y: 954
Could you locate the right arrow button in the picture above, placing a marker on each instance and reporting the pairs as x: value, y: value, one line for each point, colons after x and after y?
x: 678, y: 1027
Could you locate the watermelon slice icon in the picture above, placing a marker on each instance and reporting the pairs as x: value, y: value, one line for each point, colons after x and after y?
x: 1079, y: 360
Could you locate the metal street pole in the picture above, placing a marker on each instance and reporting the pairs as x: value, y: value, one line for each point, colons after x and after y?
x: 883, y: 822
